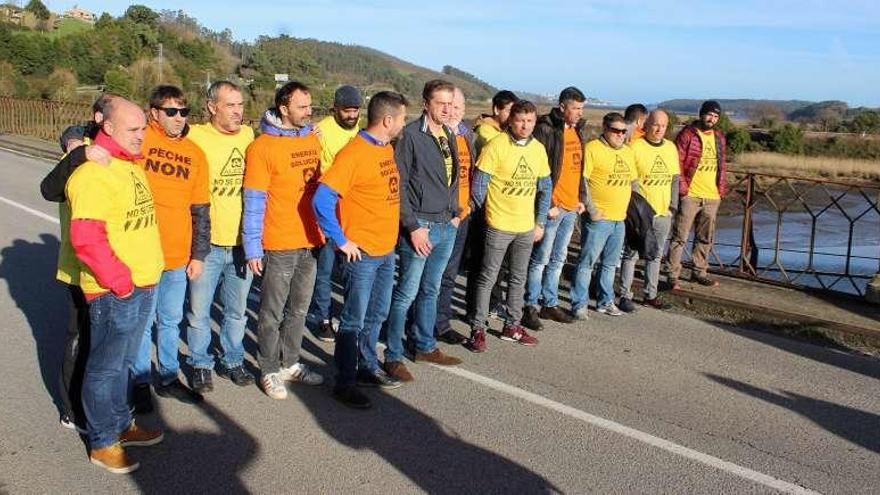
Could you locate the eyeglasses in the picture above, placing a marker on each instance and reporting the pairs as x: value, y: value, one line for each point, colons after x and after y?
x: 617, y: 130
x: 171, y: 112
x: 444, y: 147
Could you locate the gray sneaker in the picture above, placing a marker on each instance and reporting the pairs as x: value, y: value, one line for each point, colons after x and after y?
x: 301, y: 373
x: 580, y: 314
x: 609, y: 309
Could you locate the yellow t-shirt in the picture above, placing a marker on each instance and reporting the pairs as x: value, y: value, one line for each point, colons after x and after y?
x: 609, y: 173
x: 446, y: 150
x: 225, y: 154
x: 656, y: 165
x: 515, y: 170
x: 333, y: 138
x: 119, y: 195
x: 486, y: 130
x: 68, y: 264
x: 703, y: 185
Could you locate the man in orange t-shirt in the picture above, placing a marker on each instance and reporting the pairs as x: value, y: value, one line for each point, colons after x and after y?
x: 177, y: 172
x: 280, y: 233
x: 365, y: 184
x: 562, y: 132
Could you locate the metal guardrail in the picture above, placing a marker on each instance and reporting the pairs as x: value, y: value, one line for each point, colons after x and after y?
x: 806, y: 233
x: 42, y: 119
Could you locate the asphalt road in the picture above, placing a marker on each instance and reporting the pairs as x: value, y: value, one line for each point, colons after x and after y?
x: 648, y: 403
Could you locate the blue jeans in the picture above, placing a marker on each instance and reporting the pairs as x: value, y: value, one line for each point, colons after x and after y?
x: 418, y: 283
x: 229, y: 263
x: 601, y: 241
x: 166, y: 313
x: 322, y: 295
x: 117, y: 326
x: 548, y: 258
x: 368, y: 285
x: 450, y: 274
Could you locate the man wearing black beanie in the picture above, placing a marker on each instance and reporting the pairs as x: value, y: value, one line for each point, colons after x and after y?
x: 702, y: 154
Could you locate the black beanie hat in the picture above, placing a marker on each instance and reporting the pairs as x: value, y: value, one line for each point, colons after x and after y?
x: 710, y: 106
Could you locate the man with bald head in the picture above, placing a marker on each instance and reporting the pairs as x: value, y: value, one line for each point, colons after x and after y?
x: 115, y: 237
x: 656, y: 161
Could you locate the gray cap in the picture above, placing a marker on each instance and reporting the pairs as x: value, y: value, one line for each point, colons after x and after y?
x: 347, y: 97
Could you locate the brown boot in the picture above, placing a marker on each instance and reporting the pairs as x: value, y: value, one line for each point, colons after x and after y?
x: 136, y: 436
x: 437, y: 357
x: 398, y: 370
x: 113, y: 458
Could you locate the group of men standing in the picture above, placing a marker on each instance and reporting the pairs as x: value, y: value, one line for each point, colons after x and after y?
x: 154, y: 208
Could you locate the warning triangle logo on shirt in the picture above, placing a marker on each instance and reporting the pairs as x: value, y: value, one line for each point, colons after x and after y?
x: 659, y: 166
x: 523, y: 170
x: 620, y: 166
x: 234, y: 164
x: 141, y: 191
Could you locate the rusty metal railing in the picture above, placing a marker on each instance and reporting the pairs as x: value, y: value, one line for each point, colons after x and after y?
x: 799, y: 232
x: 42, y: 119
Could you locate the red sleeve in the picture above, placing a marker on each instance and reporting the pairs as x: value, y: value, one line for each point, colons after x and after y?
x: 92, y: 247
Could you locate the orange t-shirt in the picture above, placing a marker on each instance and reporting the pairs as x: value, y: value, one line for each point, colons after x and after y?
x: 568, y: 184
x: 287, y: 169
x: 365, y: 177
x: 177, y: 172
x: 465, y: 163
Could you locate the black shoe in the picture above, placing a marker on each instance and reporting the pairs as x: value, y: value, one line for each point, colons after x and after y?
x: 555, y: 313
x: 377, y: 378
x: 656, y: 303
x: 352, y: 397
x: 238, y: 375
x: 142, y: 399
x: 626, y: 305
x: 325, y: 331
x: 530, y: 319
x: 451, y: 337
x: 201, y: 381
x: 704, y: 280
x: 179, y: 391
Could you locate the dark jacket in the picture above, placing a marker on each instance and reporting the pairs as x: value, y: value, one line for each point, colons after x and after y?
x: 640, y: 227
x: 424, y: 193
x: 690, y: 148
x: 549, y: 130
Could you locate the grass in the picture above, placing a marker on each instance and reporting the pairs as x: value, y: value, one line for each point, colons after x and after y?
x: 807, y: 166
x: 68, y: 26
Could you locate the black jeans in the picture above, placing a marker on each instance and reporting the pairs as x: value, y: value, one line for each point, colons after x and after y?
x: 447, y: 284
x: 76, y: 353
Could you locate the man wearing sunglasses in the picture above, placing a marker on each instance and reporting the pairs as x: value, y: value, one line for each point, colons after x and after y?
x: 177, y: 172
x: 427, y: 158
x: 610, y: 173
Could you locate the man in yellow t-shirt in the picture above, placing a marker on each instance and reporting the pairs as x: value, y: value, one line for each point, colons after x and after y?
x: 656, y: 161
x: 702, y: 156
x: 115, y: 237
x: 336, y: 131
x: 513, y: 180
x: 224, y: 140
x: 488, y: 126
x: 609, y: 170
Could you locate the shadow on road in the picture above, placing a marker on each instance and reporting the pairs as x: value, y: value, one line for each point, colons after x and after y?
x: 190, y: 461
x: 853, y: 425
x: 29, y: 270
x: 434, y: 458
x: 828, y: 352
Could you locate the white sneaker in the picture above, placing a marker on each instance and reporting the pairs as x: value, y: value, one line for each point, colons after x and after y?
x: 273, y: 385
x: 301, y: 373
x: 609, y: 309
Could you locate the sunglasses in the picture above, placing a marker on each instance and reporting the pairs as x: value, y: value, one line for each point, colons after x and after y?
x: 618, y: 131
x: 444, y: 147
x: 171, y: 112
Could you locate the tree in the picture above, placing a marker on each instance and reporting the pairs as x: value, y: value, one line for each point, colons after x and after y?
x: 141, y: 14
x: 61, y: 85
x: 738, y: 140
x: 866, y: 122
x: 766, y: 115
x: 39, y: 10
x: 117, y: 80
x: 8, y: 78
x: 787, y: 139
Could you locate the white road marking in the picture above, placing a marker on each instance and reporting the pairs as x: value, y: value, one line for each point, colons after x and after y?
x: 606, y: 424
x: 30, y: 210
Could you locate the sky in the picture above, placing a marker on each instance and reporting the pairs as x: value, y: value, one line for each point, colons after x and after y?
x: 621, y: 51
